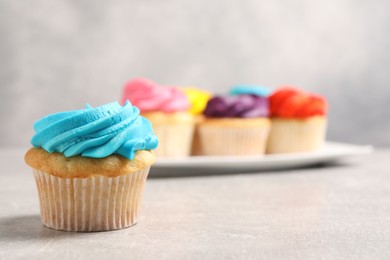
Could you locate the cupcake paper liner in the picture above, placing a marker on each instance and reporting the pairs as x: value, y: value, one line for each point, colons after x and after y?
x: 196, y: 147
x: 175, y: 140
x: 296, y: 135
x: 90, y: 204
x: 214, y: 140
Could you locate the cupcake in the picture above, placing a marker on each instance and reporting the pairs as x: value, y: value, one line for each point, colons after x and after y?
x: 167, y: 109
x: 298, y: 121
x: 90, y: 167
x: 198, y: 100
x: 234, y: 125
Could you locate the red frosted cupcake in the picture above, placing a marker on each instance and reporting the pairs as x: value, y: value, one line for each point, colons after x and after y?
x: 298, y: 121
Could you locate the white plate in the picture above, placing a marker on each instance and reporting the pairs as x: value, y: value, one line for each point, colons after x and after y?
x: 204, y: 165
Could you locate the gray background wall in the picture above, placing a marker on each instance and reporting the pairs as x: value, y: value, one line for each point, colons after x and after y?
x: 59, y: 55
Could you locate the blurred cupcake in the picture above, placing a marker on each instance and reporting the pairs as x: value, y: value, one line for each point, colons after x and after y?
x: 90, y: 167
x: 198, y: 100
x: 298, y: 121
x: 167, y: 109
x: 234, y: 125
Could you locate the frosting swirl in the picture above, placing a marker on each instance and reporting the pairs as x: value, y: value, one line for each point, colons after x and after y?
x: 243, y: 106
x: 250, y: 90
x: 198, y: 99
x: 95, y: 132
x: 290, y: 102
x: 150, y: 97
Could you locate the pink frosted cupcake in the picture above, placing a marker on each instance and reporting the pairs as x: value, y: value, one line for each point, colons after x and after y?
x: 167, y: 108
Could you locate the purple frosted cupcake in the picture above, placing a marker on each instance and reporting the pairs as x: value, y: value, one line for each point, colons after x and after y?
x: 235, y: 125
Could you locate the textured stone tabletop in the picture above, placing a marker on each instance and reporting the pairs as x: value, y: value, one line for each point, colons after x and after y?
x: 336, y: 212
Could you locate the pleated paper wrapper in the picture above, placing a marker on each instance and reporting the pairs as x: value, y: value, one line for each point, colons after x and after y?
x: 90, y: 204
x: 214, y: 140
x: 174, y: 140
x: 296, y: 135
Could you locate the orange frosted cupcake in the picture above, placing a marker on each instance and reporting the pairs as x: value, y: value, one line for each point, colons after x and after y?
x: 298, y: 121
x: 167, y: 108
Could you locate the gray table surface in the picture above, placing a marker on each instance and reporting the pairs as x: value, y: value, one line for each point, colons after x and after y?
x: 336, y: 212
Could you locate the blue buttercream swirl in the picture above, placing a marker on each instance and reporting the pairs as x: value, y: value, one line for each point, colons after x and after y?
x: 250, y: 90
x: 96, y: 132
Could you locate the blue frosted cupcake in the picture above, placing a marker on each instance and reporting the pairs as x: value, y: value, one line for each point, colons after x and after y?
x: 90, y: 167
